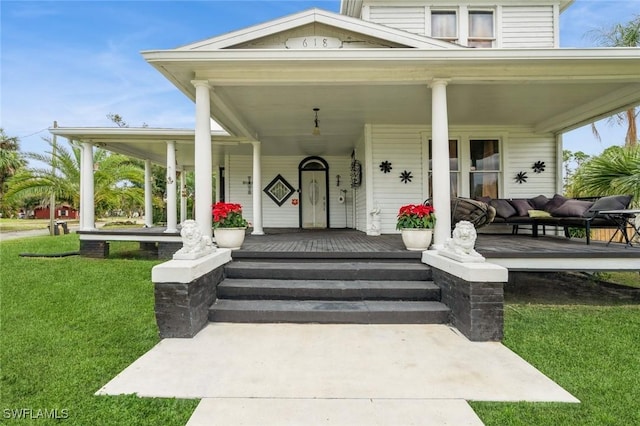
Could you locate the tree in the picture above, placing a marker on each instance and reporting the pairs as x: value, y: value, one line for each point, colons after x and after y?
x: 114, y: 178
x: 621, y: 35
x: 615, y: 171
x: 571, y: 162
x: 11, y: 161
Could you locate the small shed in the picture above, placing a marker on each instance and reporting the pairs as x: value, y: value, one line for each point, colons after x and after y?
x: 63, y: 211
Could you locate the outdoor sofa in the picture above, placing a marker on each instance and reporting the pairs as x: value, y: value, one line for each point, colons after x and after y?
x: 559, y: 211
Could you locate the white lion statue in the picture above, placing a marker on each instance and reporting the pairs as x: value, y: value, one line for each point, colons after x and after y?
x: 461, y: 245
x: 194, y: 244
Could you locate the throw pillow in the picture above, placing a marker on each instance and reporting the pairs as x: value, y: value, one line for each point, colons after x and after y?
x: 503, y: 208
x: 522, y: 206
x: 555, y: 202
x: 613, y: 202
x: 539, y: 213
x: 485, y: 200
x: 539, y: 202
x: 572, y: 208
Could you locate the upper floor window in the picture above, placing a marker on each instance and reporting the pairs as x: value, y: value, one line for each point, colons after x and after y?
x: 481, y: 28
x: 444, y: 24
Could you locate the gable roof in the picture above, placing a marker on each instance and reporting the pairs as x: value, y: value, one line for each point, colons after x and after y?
x: 319, y: 16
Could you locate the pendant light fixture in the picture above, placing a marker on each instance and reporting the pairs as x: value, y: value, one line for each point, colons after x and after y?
x: 316, y: 129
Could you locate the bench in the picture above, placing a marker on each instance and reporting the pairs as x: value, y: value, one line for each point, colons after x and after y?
x: 559, y: 211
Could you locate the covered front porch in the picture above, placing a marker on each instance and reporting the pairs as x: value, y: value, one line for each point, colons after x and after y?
x: 514, y: 252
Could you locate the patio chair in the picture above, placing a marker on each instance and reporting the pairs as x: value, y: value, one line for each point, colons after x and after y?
x: 477, y: 212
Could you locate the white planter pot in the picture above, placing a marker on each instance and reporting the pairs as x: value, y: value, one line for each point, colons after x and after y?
x: 416, y: 239
x: 229, y: 237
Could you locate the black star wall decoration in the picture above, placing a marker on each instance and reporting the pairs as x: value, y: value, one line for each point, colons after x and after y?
x: 538, y: 166
x: 521, y: 177
x: 385, y: 167
x: 405, y: 177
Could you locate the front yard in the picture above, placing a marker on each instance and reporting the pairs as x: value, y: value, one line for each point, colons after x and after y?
x: 69, y: 325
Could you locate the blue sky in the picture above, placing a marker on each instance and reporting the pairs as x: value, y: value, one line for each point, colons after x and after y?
x: 77, y: 61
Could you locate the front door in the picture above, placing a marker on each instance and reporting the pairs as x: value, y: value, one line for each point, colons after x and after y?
x: 314, y: 203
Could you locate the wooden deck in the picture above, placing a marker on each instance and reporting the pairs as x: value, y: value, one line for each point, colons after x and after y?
x: 516, y: 252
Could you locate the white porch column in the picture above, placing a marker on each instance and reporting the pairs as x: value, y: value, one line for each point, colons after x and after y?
x: 440, y: 146
x: 183, y: 195
x: 257, y: 190
x: 148, y: 195
x: 203, y: 170
x: 87, y: 204
x: 172, y: 206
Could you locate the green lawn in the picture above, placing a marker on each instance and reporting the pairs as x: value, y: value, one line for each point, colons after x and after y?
x: 591, y: 351
x: 69, y: 325
x: 7, y: 225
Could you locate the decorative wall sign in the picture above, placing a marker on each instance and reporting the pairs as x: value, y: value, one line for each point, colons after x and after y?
x: 538, y: 166
x: 249, y: 184
x: 521, y: 177
x: 279, y: 190
x: 385, y: 167
x: 405, y: 177
x: 356, y: 173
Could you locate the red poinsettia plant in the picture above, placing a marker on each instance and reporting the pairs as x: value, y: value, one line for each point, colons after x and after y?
x: 416, y: 216
x: 228, y: 215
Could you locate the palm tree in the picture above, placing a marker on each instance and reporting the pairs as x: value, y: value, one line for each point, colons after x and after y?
x: 114, y: 177
x: 615, y: 171
x: 11, y: 161
x: 621, y: 35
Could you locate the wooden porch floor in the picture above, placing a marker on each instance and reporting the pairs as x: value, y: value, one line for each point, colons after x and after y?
x: 516, y: 252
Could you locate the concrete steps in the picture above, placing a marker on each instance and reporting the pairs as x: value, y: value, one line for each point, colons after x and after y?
x: 339, y: 291
x: 238, y: 288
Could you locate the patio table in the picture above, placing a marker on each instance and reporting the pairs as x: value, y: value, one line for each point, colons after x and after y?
x: 623, y: 219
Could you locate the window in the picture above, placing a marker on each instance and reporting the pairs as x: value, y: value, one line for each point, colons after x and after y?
x: 444, y: 24
x: 453, y: 167
x: 484, y: 171
x: 481, y: 33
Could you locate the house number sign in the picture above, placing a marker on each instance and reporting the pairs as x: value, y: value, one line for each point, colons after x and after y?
x: 313, y: 42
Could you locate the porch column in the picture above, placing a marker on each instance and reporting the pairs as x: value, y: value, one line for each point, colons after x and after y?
x: 172, y: 208
x: 148, y: 195
x: 440, y: 146
x: 203, y: 170
x: 87, y: 208
x: 183, y: 195
x: 257, y: 190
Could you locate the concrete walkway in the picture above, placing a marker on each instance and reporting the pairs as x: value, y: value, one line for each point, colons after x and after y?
x: 292, y: 374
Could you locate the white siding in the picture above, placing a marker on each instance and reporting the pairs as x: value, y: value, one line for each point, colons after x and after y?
x: 287, y: 215
x: 410, y: 19
x: 523, y: 150
x: 528, y: 27
x: 402, y: 147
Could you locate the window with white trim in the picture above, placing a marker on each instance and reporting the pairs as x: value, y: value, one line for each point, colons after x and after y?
x: 454, y: 168
x: 444, y: 25
x: 484, y: 170
x: 481, y: 28
x: 478, y: 26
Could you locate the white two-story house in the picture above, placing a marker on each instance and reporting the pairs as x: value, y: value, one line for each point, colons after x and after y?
x: 331, y: 117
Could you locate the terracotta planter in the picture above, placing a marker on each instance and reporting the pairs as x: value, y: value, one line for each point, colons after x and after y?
x: 229, y: 237
x: 417, y: 239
